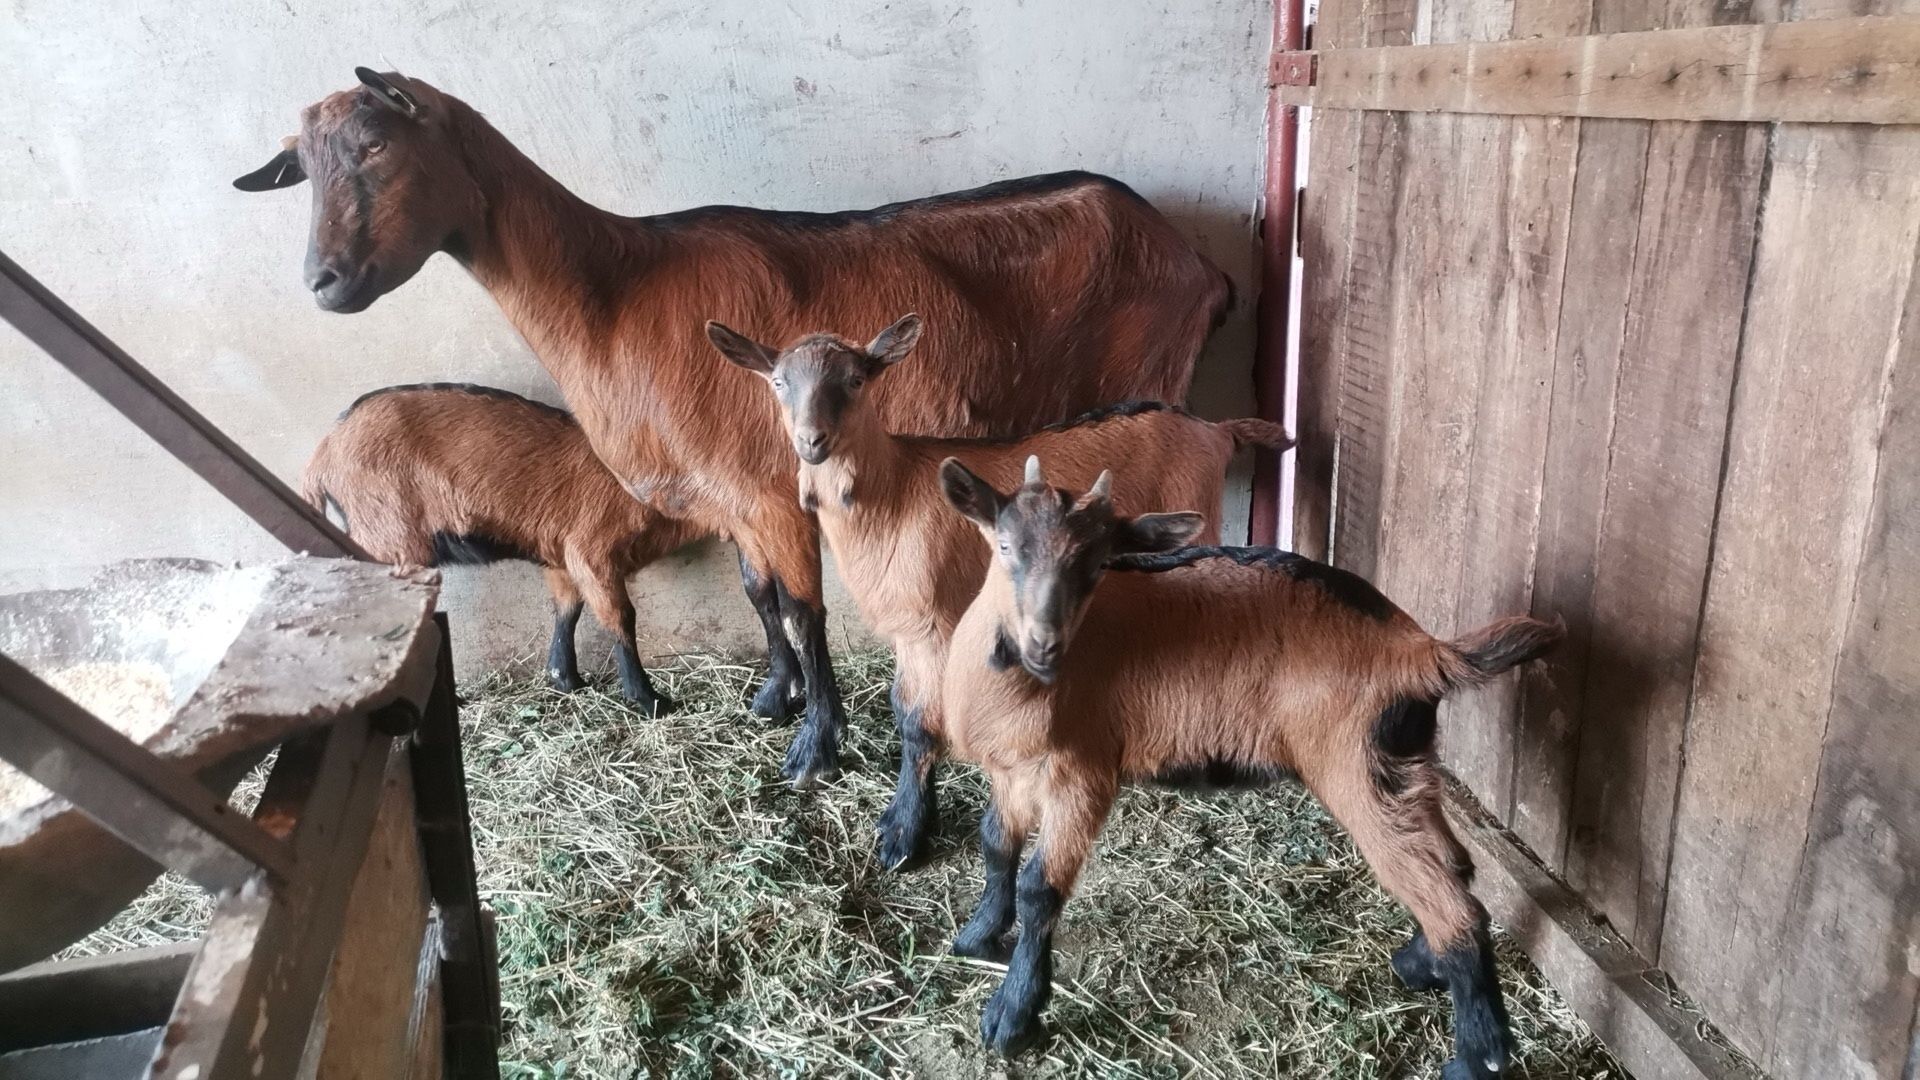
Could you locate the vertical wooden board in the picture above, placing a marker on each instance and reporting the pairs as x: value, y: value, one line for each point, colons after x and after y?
x: 1676, y: 374
x: 1599, y: 274
x: 1450, y: 295
x: 1608, y: 201
x: 1835, y: 256
x: 1367, y: 343
x: 1510, y: 428
x: 371, y: 987
x: 1326, y: 226
x: 1850, y: 992
x: 1340, y: 24
x: 1338, y: 175
x: 1391, y: 22
x: 1365, y: 338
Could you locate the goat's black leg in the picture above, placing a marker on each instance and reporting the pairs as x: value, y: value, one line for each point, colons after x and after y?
x: 634, y: 683
x: 993, y: 915
x: 563, y: 664
x: 903, y: 828
x: 1011, y: 1021
x: 1479, y: 1014
x: 814, y: 756
x: 782, y: 689
x: 1415, y: 965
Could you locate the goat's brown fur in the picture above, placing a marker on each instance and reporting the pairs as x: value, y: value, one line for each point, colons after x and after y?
x: 1051, y: 295
x: 1247, y: 662
x: 408, y: 464
x: 913, y: 566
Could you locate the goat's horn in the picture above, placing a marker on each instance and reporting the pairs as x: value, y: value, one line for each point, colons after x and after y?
x: 1033, y: 469
x: 1103, y: 487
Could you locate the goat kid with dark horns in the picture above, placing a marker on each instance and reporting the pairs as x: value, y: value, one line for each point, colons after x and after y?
x: 1211, y: 666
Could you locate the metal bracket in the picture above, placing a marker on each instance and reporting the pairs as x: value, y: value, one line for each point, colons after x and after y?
x: 1293, y: 68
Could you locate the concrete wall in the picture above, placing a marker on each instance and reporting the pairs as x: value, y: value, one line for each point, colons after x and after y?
x: 124, y: 123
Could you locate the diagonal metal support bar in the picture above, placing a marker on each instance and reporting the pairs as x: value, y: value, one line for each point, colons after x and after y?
x: 146, y: 801
x: 183, y: 432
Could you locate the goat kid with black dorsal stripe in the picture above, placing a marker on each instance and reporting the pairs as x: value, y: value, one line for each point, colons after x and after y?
x: 911, y: 566
x: 1100, y: 651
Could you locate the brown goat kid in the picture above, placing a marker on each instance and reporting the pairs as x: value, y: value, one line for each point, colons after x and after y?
x: 1097, y: 653
x: 442, y: 473
x: 911, y: 566
x: 1053, y: 294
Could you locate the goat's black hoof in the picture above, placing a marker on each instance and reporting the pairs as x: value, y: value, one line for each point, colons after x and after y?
x: 900, y: 839
x: 1011, y: 1027
x: 1413, y: 964
x: 772, y: 701
x: 653, y: 704
x: 1458, y: 1069
x: 809, y: 767
x: 984, y: 944
x: 565, y: 682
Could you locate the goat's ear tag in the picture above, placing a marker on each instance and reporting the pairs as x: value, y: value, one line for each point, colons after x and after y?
x: 387, y: 93
x: 283, y: 170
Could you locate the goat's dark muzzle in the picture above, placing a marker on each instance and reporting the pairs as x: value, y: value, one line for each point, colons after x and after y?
x: 1041, y: 659
x: 813, y: 449
x: 338, y: 289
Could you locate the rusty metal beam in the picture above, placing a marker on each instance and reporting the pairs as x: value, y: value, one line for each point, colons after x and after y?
x: 1276, y: 280
x: 176, y: 426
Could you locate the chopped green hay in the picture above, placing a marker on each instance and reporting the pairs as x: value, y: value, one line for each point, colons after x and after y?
x: 667, y: 907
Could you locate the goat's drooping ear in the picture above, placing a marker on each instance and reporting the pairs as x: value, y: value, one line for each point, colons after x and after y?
x: 283, y: 171
x: 890, y: 346
x: 386, y: 93
x: 972, y: 496
x: 1150, y: 533
x: 741, y: 349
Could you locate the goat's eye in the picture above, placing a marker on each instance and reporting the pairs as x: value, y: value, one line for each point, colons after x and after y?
x: 1005, y: 548
x: 779, y: 383
x: 374, y: 146
x: 856, y: 383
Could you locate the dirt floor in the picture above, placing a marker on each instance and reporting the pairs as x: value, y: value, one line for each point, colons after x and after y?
x: 668, y: 908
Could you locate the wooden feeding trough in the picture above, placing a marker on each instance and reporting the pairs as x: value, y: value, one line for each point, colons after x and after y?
x: 347, y: 938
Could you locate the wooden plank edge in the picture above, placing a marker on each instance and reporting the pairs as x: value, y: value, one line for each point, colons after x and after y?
x: 1631, y: 1005
x: 1863, y: 70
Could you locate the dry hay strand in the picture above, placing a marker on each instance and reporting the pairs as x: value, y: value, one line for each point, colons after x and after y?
x: 668, y: 908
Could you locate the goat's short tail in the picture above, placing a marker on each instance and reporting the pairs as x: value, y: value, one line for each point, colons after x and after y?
x: 1494, y: 648
x: 313, y: 483
x: 1249, y: 431
x: 312, y: 488
x: 1227, y: 302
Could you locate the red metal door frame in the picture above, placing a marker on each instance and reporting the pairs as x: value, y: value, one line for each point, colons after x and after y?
x: 1276, y: 279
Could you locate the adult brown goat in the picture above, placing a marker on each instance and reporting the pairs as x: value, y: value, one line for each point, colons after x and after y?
x: 1053, y: 294
x: 911, y: 566
x: 1215, y: 666
x: 446, y: 473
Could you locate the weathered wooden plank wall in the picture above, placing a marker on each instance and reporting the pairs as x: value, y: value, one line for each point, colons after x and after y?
x: 1657, y: 378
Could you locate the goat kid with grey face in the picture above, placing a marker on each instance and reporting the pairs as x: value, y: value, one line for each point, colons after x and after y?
x: 913, y: 567
x: 1101, y: 651
x: 818, y: 377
